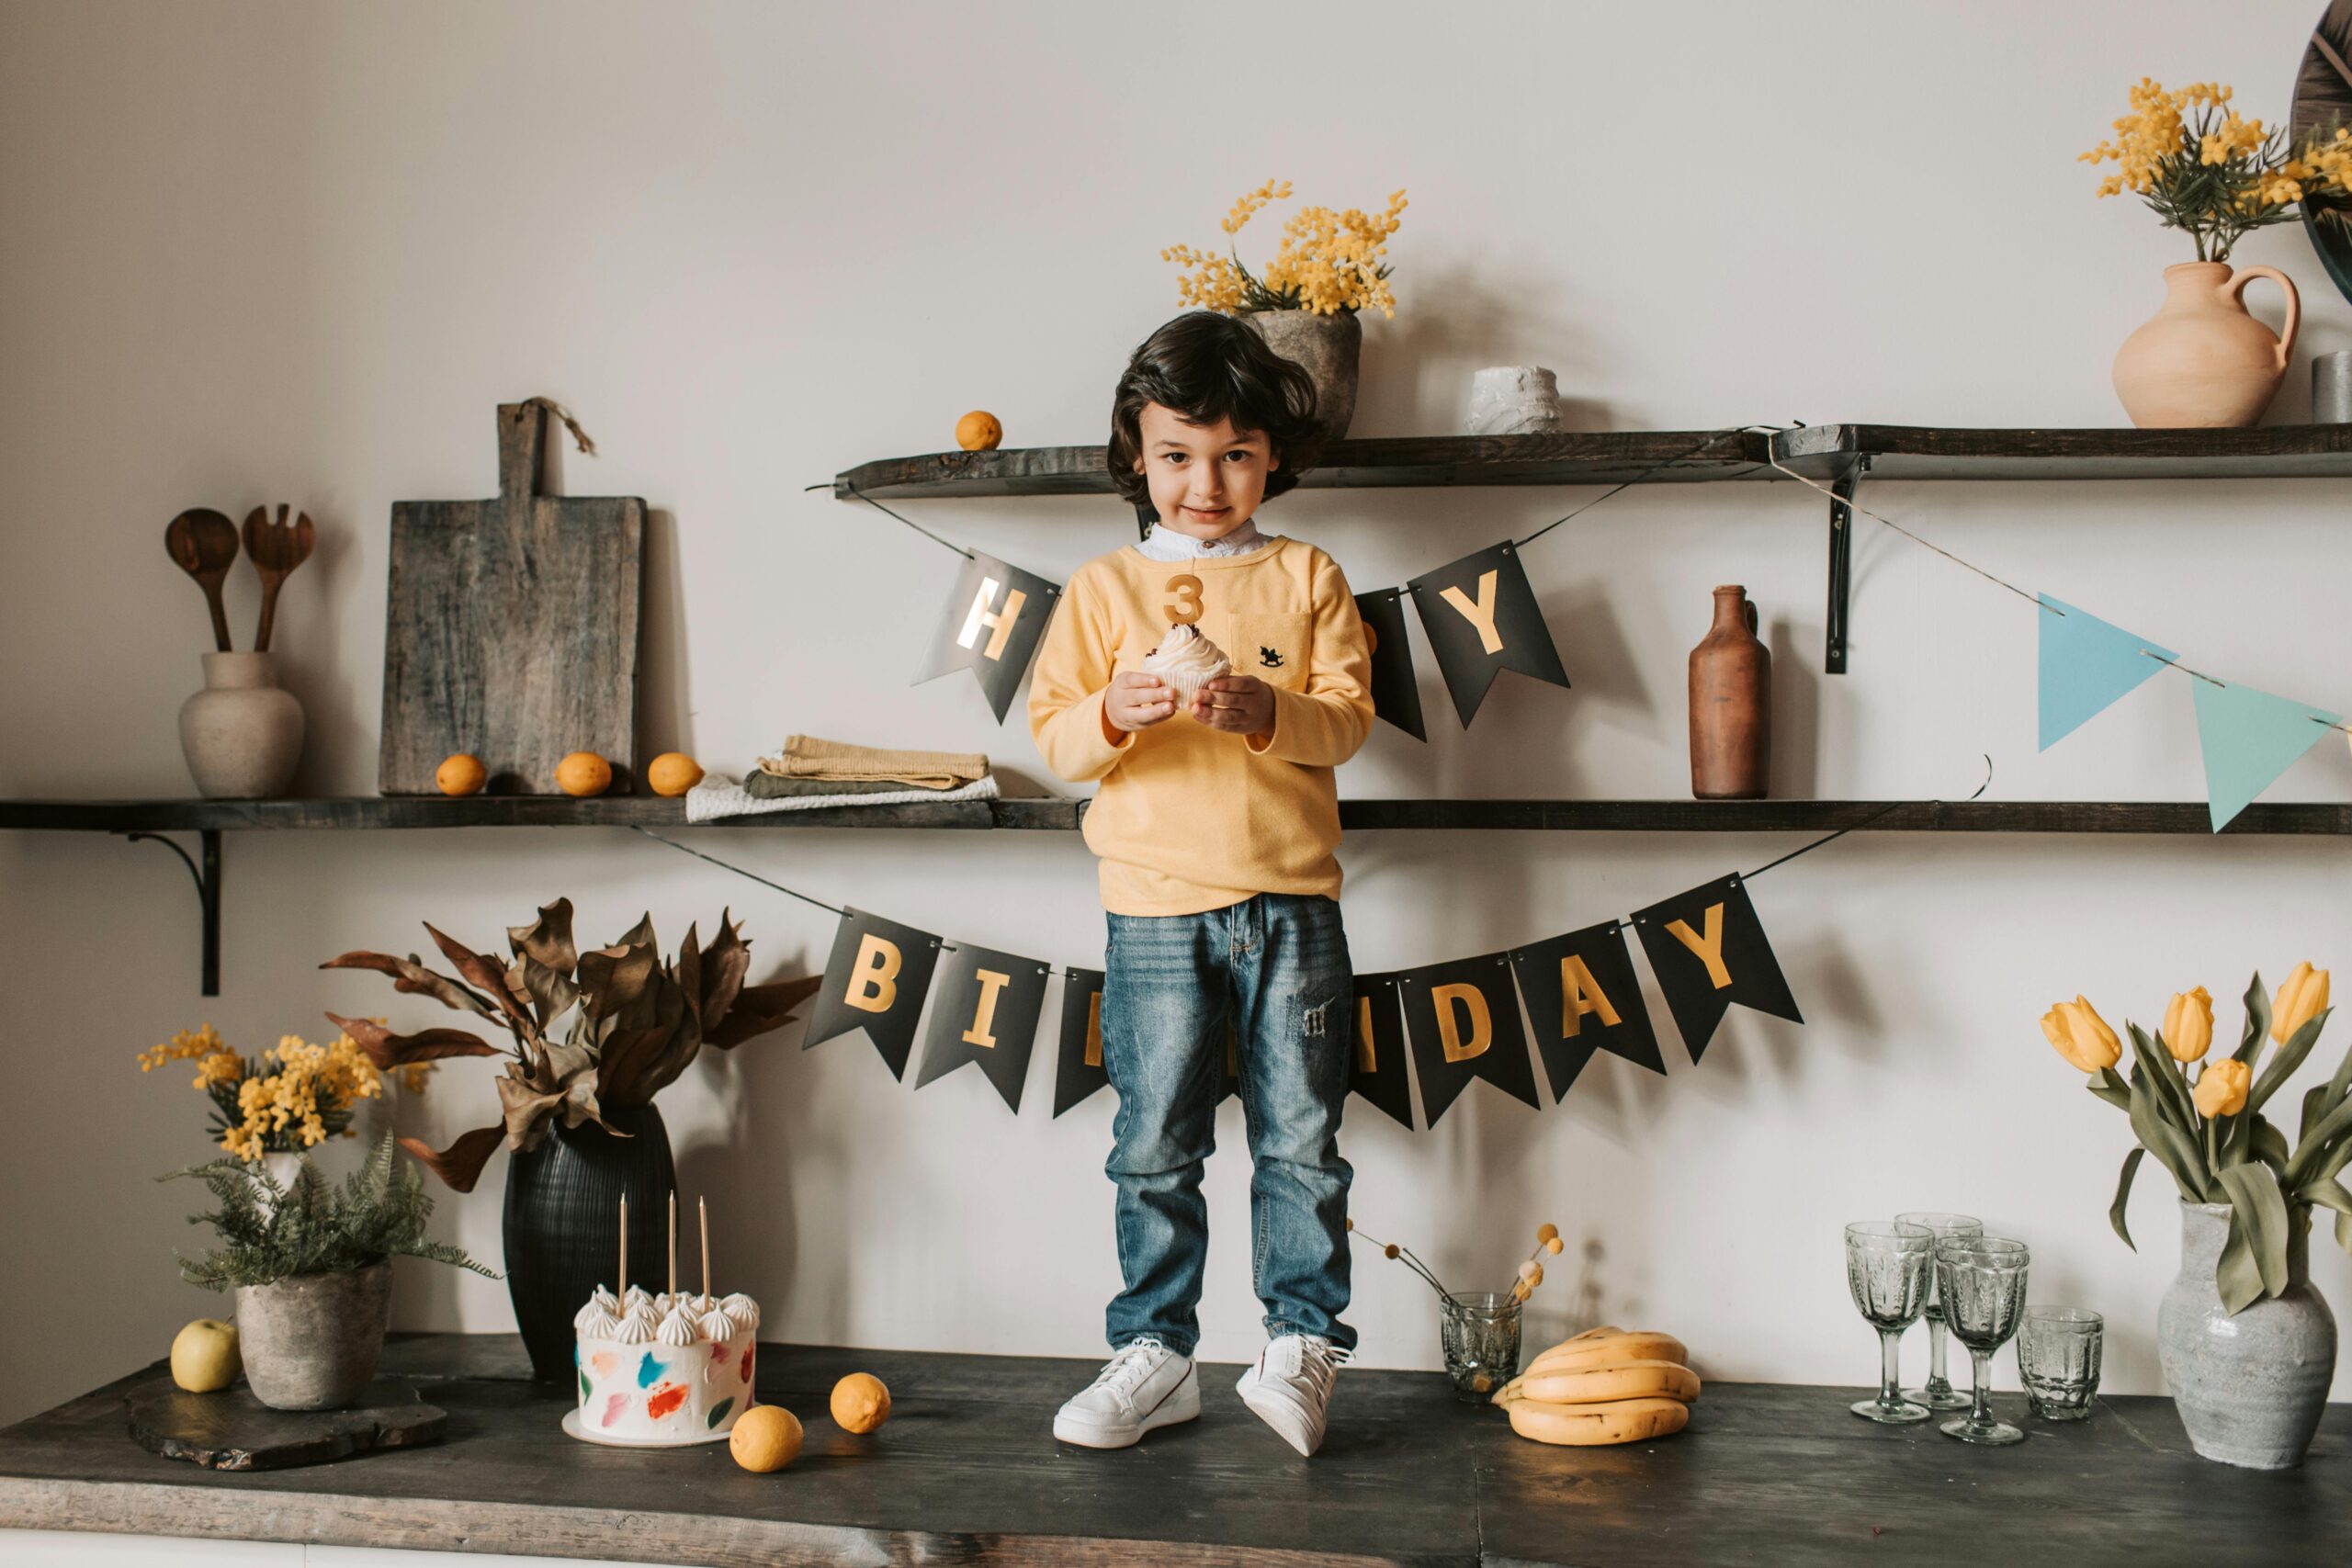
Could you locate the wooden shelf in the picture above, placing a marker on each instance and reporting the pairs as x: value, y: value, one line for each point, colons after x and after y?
x: 1820, y: 452
x: 1655, y: 456
x: 1062, y: 813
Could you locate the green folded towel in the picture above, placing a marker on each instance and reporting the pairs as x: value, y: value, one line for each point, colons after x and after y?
x: 761, y: 784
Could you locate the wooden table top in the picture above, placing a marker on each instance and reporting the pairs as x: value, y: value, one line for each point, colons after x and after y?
x: 967, y: 1472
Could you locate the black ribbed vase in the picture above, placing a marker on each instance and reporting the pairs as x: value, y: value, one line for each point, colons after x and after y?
x: 562, y: 1225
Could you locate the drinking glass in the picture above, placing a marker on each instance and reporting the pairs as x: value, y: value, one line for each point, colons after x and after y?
x: 1478, y: 1331
x: 2058, y: 1356
x: 1982, y: 1278
x: 1887, y: 1264
x: 1939, y: 1394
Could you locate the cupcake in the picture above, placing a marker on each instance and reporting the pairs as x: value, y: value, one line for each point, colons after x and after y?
x: 1187, y: 661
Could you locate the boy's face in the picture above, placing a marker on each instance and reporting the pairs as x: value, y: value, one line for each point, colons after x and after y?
x: 1206, y: 479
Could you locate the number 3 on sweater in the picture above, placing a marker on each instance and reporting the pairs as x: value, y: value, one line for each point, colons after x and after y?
x: 1185, y: 608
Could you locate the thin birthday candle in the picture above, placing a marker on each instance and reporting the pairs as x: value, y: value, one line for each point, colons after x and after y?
x: 673, y: 1243
x: 623, y: 1291
x: 702, y: 1212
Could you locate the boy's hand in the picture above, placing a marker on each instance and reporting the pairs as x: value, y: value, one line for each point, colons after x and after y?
x: 1242, y: 704
x: 1136, y: 701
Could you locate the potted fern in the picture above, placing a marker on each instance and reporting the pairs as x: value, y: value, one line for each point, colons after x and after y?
x: 312, y: 1268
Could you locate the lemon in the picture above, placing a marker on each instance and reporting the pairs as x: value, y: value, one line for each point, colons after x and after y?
x: 860, y: 1403
x: 583, y: 773
x: 978, y: 432
x: 673, y: 773
x: 461, y: 775
x: 766, y: 1438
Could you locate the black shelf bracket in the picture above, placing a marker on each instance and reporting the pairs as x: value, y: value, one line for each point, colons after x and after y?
x: 1841, y: 560
x: 208, y: 893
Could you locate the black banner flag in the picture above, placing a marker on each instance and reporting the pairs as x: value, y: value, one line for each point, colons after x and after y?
x: 995, y: 615
x: 1463, y: 1017
x: 988, y: 1006
x: 1395, y: 695
x: 1582, y: 996
x: 1078, y: 1057
x: 1482, y: 618
x: 1708, y: 951
x: 875, y: 980
x: 1378, y: 1069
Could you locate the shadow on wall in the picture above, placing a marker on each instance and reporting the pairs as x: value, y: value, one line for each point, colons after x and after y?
x: 664, y: 679
x: 1416, y: 376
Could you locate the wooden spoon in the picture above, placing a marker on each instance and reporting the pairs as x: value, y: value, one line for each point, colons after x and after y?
x: 276, y: 550
x: 204, y: 543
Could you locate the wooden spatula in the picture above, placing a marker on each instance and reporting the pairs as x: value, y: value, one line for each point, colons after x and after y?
x: 204, y: 543
x: 276, y: 550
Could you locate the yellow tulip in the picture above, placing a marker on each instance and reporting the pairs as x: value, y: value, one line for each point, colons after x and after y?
x: 2188, y: 1025
x: 2221, y: 1087
x: 2082, y: 1036
x: 2300, y: 996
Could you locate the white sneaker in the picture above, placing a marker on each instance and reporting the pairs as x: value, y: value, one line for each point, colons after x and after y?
x: 1289, y: 1387
x: 1144, y: 1385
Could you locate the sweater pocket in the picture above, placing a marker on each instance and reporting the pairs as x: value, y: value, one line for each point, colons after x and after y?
x: 1272, y: 645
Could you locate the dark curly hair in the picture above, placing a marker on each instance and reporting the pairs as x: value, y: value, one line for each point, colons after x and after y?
x: 1206, y: 367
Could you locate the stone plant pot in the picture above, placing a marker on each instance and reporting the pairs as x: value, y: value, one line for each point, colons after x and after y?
x: 2250, y: 1389
x: 311, y: 1342
x: 1326, y: 347
x: 2201, y: 361
x: 242, y: 734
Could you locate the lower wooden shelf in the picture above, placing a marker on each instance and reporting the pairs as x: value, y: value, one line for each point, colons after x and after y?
x: 1062, y: 813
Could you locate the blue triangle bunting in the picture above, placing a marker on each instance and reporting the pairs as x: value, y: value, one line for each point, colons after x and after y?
x: 2087, y: 664
x: 2249, y: 737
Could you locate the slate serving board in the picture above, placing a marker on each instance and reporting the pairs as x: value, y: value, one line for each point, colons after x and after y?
x: 233, y: 1430
x: 510, y: 628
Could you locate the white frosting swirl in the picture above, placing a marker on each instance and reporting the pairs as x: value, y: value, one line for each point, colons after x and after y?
x: 636, y: 1326
x: 635, y: 1296
x: 677, y: 1327
x: 742, y: 1311
x: 717, y: 1324
x: 1187, y: 661
x: 597, y: 1317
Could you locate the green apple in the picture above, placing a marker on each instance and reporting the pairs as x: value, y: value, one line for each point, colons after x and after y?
x: 204, y: 1355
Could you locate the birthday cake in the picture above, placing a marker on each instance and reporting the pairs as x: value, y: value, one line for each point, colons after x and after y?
x: 664, y: 1367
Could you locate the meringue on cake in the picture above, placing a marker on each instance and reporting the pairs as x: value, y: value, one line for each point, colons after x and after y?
x: 677, y: 1375
x: 1187, y: 661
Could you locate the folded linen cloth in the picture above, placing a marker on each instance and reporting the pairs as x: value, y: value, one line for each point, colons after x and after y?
x: 812, y: 757
x: 775, y: 786
x: 713, y: 799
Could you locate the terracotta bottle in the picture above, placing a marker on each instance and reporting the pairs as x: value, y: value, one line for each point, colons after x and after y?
x: 1731, y: 704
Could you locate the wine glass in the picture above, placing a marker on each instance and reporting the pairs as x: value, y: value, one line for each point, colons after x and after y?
x: 1982, y: 1279
x: 1887, y: 1264
x: 1939, y: 1394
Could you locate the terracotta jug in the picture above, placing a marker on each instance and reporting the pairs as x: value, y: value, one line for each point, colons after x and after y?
x: 2201, y: 360
x: 1731, y: 705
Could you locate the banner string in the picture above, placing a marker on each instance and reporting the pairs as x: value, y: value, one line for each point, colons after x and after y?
x: 729, y: 865
x: 2033, y: 599
x: 1712, y: 436
x: 888, y: 513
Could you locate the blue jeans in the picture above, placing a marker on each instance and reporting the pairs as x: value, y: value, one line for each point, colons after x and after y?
x: 1275, y: 967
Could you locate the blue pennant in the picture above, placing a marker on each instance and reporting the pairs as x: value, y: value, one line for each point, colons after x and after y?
x: 2249, y: 737
x: 2087, y: 664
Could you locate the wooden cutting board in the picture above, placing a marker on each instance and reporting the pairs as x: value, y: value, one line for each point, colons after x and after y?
x: 511, y: 628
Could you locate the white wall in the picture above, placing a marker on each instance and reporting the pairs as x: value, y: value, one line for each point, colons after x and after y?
x: 276, y: 251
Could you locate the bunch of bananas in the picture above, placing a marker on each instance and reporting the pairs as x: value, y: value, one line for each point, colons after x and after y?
x: 1606, y: 1385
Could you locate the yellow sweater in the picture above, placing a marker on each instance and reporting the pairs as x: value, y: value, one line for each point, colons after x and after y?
x: 1188, y: 818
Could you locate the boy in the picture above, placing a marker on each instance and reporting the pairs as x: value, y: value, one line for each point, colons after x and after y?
x: 1215, y: 828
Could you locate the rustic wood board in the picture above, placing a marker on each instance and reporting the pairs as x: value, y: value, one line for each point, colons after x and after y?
x: 510, y: 627
x: 966, y: 1473
x: 233, y: 1430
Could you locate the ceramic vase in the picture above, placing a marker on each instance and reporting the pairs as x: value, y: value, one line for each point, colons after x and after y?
x: 1326, y: 347
x: 562, y: 1225
x: 1513, y: 400
x: 1731, y: 704
x: 2250, y: 1389
x: 2201, y: 361
x: 311, y: 1342
x: 242, y: 734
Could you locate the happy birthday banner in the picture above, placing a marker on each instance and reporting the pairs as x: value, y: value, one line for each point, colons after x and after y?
x: 1439, y: 1026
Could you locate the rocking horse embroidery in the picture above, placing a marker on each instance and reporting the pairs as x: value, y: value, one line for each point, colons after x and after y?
x: 1268, y: 657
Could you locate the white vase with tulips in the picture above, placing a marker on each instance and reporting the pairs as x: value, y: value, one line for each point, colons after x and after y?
x: 2247, y: 1347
